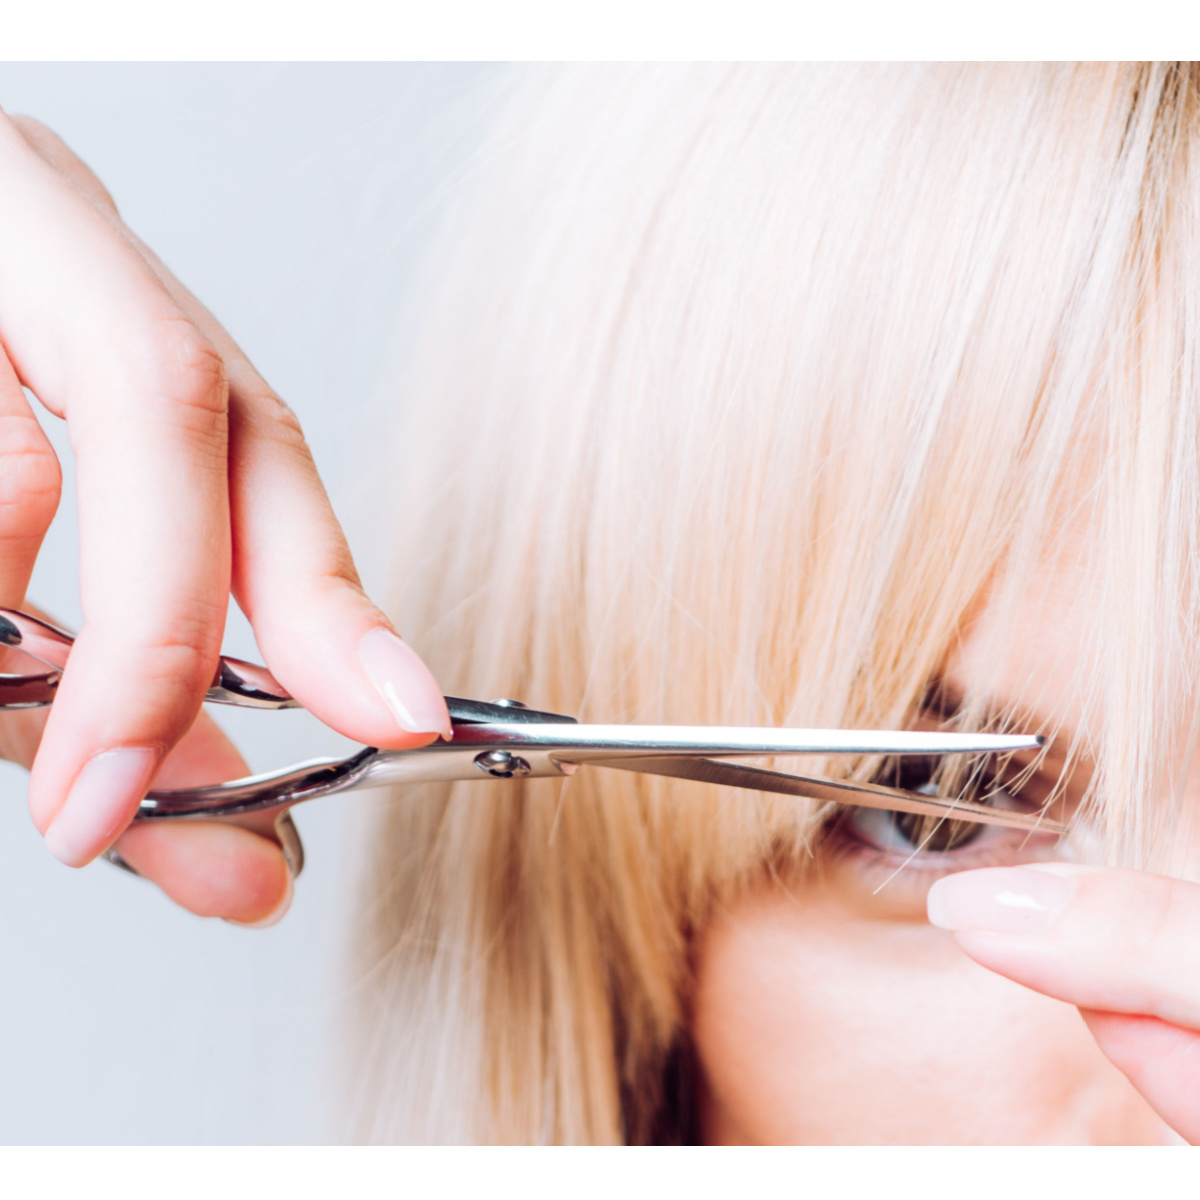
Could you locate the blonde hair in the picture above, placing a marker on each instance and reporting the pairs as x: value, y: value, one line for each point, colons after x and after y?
x: 740, y: 387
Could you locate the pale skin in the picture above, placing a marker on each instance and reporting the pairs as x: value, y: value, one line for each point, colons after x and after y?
x: 823, y: 1013
x: 834, y: 1009
x: 194, y: 484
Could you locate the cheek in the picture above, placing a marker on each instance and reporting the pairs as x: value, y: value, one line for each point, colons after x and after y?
x: 814, y: 1028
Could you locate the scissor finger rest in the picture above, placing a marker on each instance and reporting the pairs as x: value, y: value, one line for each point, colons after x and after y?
x: 235, y: 682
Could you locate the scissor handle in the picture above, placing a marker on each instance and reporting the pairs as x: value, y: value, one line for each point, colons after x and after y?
x: 236, y: 682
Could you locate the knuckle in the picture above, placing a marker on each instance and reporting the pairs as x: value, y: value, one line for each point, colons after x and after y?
x: 177, y: 661
x: 338, y: 572
x: 183, y: 379
x: 181, y: 366
x: 271, y: 414
x: 30, y: 474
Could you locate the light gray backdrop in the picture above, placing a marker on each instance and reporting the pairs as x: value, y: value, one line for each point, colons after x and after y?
x: 294, y: 200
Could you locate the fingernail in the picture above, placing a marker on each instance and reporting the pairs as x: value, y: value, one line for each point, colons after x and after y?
x: 100, y: 803
x: 999, y: 900
x: 275, y: 917
x: 405, y: 683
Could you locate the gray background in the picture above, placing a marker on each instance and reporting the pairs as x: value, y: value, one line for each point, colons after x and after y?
x: 295, y: 201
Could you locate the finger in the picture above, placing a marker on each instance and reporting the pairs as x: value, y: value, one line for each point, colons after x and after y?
x: 154, y: 574
x: 212, y: 869
x: 1161, y: 1060
x: 1121, y: 945
x: 294, y: 575
x: 147, y: 408
x: 221, y: 871
x: 249, y: 869
x: 30, y: 487
x: 98, y: 339
x: 1116, y: 941
x: 54, y: 151
x: 111, y: 781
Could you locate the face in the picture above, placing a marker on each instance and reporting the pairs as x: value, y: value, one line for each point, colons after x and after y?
x: 829, y: 1011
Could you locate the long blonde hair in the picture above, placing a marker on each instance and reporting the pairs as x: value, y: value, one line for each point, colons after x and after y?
x: 738, y: 387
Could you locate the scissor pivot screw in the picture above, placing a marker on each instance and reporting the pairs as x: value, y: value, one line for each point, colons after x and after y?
x: 501, y: 764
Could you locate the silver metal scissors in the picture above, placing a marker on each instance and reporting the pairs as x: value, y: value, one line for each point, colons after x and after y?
x: 504, y: 740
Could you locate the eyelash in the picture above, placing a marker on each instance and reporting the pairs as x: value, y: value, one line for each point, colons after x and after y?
x: 849, y: 835
x: 995, y: 846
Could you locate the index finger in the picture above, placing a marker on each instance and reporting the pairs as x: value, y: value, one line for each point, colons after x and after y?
x: 1121, y: 945
x: 1108, y: 939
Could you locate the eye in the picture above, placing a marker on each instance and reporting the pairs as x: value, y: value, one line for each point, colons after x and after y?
x: 906, y: 834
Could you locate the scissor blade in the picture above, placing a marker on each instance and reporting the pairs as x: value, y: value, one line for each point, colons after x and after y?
x: 598, y: 743
x: 865, y: 795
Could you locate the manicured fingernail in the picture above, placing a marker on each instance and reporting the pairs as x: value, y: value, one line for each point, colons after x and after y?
x: 100, y: 803
x: 405, y: 683
x: 272, y: 918
x: 999, y: 900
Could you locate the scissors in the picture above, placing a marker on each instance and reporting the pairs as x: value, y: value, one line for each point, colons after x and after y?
x: 504, y: 739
